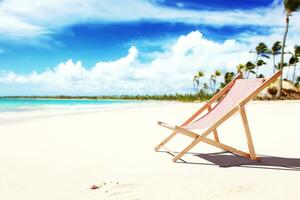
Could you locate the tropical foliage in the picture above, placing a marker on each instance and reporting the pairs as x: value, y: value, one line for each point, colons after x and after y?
x: 290, y: 6
x: 275, y: 50
x: 213, y: 81
x: 294, y: 60
x: 196, y: 81
x: 165, y: 97
x: 262, y: 58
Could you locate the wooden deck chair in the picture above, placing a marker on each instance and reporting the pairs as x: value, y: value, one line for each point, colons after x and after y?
x: 233, y: 98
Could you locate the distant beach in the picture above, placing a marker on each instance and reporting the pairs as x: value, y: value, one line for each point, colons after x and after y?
x: 26, y: 104
x: 12, y: 109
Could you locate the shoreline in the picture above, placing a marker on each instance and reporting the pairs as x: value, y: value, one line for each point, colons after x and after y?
x: 56, y: 111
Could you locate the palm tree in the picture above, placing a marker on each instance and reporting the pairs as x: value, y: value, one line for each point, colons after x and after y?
x: 205, y: 86
x: 261, y: 50
x: 297, y: 84
x: 218, y: 73
x: 258, y: 64
x: 290, y: 6
x: 196, y: 81
x: 292, y: 62
x: 296, y: 56
x: 249, y: 68
x: 227, y: 78
x: 275, y: 50
x: 241, y: 68
x: 213, y: 80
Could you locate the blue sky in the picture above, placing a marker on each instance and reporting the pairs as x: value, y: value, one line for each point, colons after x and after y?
x: 46, y: 41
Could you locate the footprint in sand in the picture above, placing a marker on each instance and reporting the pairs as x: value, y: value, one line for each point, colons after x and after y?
x: 121, y: 191
x: 232, y: 191
x: 116, y: 190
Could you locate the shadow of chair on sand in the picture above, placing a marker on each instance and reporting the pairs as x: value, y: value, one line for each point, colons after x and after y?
x: 225, y: 159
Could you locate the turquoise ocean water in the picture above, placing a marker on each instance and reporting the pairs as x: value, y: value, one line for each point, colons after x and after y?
x: 17, y: 104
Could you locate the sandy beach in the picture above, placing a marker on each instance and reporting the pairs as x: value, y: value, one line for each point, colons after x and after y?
x: 60, y: 157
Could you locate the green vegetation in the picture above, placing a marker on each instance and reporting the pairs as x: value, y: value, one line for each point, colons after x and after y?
x: 261, y: 51
x: 176, y: 97
x: 290, y: 6
x: 275, y: 50
x: 196, y: 81
x: 213, y: 81
x: 294, y: 60
x: 263, y: 54
x: 297, y: 83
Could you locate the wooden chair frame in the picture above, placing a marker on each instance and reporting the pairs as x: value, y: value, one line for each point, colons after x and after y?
x: 216, y: 142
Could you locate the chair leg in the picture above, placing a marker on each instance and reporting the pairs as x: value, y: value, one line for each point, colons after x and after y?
x: 184, y: 151
x: 204, y: 139
x: 165, y: 141
x: 216, y: 136
x: 247, y: 131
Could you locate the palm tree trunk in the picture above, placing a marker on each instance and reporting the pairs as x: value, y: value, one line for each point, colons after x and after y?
x: 256, y: 75
x: 274, y: 68
x: 294, y: 74
x: 248, y: 74
x: 282, y: 54
x: 214, y: 88
x: 288, y: 73
x: 195, y: 89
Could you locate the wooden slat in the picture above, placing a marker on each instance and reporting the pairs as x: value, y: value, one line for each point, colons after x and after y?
x: 207, y: 132
x: 225, y: 147
x: 165, y: 141
x: 179, y: 130
x: 166, y: 125
x: 199, y: 138
x: 185, y: 150
x: 247, y: 131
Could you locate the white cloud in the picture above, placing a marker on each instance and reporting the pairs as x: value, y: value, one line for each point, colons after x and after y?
x: 34, y: 19
x: 170, y: 72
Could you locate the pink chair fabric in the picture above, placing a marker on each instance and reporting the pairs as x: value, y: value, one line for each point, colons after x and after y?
x: 241, y: 89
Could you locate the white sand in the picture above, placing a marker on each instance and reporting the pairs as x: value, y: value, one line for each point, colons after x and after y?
x: 59, y: 158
